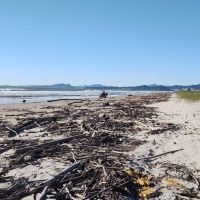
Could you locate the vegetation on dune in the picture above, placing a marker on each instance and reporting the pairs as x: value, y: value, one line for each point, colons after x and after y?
x: 189, y: 95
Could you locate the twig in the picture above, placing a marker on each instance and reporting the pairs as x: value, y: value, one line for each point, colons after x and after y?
x: 106, y: 189
x: 159, y: 155
x: 13, y: 131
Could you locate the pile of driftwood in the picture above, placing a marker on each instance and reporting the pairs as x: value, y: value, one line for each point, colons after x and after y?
x: 96, y: 137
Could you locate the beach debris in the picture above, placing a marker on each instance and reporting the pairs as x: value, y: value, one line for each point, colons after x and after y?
x: 106, y: 104
x: 92, y: 146
x: 30, y: 124
x: 173, y: 182
x: 159, y: 155
x: 143, y: 182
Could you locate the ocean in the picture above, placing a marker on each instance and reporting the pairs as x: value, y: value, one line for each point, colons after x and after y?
x: 10, y: 97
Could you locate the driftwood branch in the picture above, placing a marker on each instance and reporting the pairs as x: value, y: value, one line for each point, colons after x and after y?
x: 12, y: 132
x: 159, y: 155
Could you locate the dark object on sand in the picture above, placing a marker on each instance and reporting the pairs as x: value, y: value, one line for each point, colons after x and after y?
x: 106, y: 104
x: 24, y: 100
x: 103, y: 94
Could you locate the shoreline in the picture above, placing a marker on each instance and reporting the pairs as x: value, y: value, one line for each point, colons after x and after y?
x: 44, y: 96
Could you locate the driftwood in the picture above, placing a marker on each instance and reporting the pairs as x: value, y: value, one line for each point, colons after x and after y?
x: 50, y: 182
x: 12, y: 132
x: 54, y: 142
x: 159, y: 155
x: 54, y: 100
x: 123, y: 182
x: 31, y: 124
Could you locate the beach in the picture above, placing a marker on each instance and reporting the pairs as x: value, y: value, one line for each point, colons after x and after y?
x: 113, y: 144
x: 187, y: 116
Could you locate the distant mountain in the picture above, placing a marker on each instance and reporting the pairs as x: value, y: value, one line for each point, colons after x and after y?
x: 68, y: 87
x: 94, y: 86
x: 150, y: 88
x: 61, y: 85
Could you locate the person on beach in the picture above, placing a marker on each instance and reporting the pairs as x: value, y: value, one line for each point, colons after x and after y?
x: 103, y: 95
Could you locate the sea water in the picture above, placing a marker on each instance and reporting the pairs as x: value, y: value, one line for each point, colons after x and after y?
x: 10, y: 96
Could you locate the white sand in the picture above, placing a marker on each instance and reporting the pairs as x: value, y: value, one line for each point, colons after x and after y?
x: 187, y: 114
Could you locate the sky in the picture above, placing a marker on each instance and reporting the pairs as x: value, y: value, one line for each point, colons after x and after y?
x: 112, y: 42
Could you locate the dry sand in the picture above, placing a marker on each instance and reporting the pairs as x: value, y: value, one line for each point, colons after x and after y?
x: 186, y: 114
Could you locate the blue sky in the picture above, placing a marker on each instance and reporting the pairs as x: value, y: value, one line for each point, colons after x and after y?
x: 113, y: 42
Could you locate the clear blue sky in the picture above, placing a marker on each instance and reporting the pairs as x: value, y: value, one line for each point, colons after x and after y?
x: 113, y: 42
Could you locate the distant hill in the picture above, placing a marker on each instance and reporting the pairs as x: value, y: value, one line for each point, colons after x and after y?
x: 68, y: 87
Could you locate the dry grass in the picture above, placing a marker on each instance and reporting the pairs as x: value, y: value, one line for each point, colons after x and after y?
x: 189, y: 95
